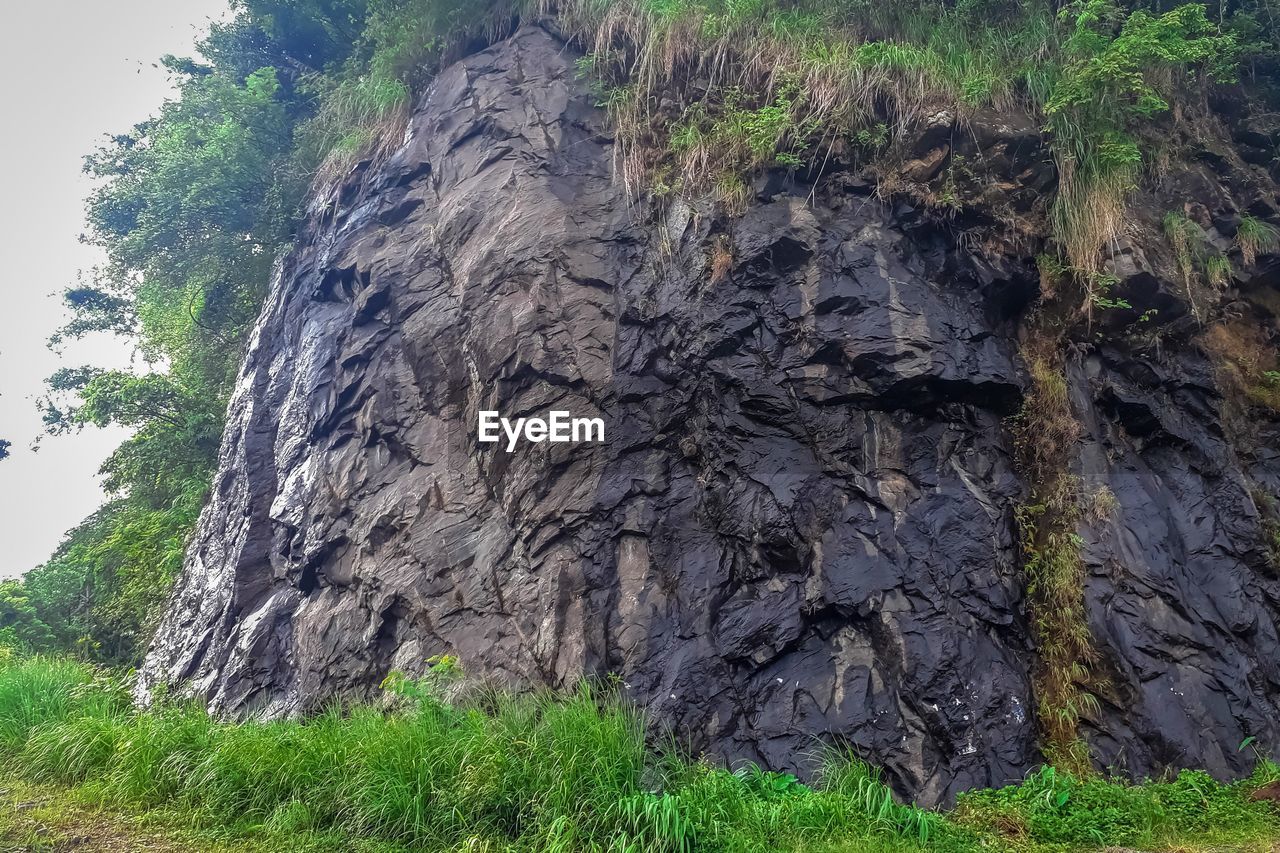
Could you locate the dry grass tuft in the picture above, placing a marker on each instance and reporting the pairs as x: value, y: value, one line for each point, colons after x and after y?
x: 721, y: 258
x: 1247, y: 362
x: 1089, y: 211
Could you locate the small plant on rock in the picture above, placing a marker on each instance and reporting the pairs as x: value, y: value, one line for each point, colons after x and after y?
x: 443, y: 672
x: 1255, y: 236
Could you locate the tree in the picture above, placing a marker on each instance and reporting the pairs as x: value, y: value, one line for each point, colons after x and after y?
x: 191, y: 209
x: 20, y: 626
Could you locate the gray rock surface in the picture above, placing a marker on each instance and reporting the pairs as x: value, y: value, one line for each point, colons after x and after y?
x: 800, y: 527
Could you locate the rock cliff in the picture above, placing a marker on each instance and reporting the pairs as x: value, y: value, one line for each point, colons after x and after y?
x: 801, y: 525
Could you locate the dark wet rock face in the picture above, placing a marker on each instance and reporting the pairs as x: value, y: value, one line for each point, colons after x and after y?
x: 800, y: 526
x: 1182, y: 593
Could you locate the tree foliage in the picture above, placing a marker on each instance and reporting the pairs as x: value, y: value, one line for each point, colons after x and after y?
x: 20, y: 624
x: 191, y: 207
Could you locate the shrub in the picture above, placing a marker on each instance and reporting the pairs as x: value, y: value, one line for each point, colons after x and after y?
x: 1119, y: 69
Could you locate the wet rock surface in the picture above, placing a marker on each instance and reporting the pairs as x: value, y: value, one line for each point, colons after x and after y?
x: 800, y: 527
x: 1182, y: 592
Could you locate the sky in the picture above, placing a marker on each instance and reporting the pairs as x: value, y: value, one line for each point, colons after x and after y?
x: 71, y: 71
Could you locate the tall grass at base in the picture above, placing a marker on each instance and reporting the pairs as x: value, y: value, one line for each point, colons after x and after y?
x: 38, y: 691
x: 539, y: 772
x: 534, y: 772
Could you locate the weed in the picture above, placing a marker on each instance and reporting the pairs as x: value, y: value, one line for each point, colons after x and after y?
x: 1098, y: 288
x: 1217, y: 271
x: 1184, y: 235
x: 1102, y: 505
x: 1046, y: 432
x: 1194, y: 256
x: 1106, y: 86
x: 1052, y: 273
x: 766, y: 84
x: 364, y: 108
x: 1254, y: 236
x: 785, y: 79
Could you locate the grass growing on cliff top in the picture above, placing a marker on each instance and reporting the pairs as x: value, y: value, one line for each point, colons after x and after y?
x: 706, y: 93
x: 764, y: 83
x: 540, y: 772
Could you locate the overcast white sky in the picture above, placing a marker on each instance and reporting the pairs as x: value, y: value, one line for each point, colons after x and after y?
x: 71, y: 71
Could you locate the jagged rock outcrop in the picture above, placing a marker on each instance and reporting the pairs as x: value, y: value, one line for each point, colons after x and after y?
x: 801, y: 524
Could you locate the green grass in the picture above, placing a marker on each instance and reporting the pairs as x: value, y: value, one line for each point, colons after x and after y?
x: 536, y: 772
x: 788, y: 79
x: 1192, y: 810
x: 1254, y: 236
x: 363, y: 107
x: 753, y: 84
